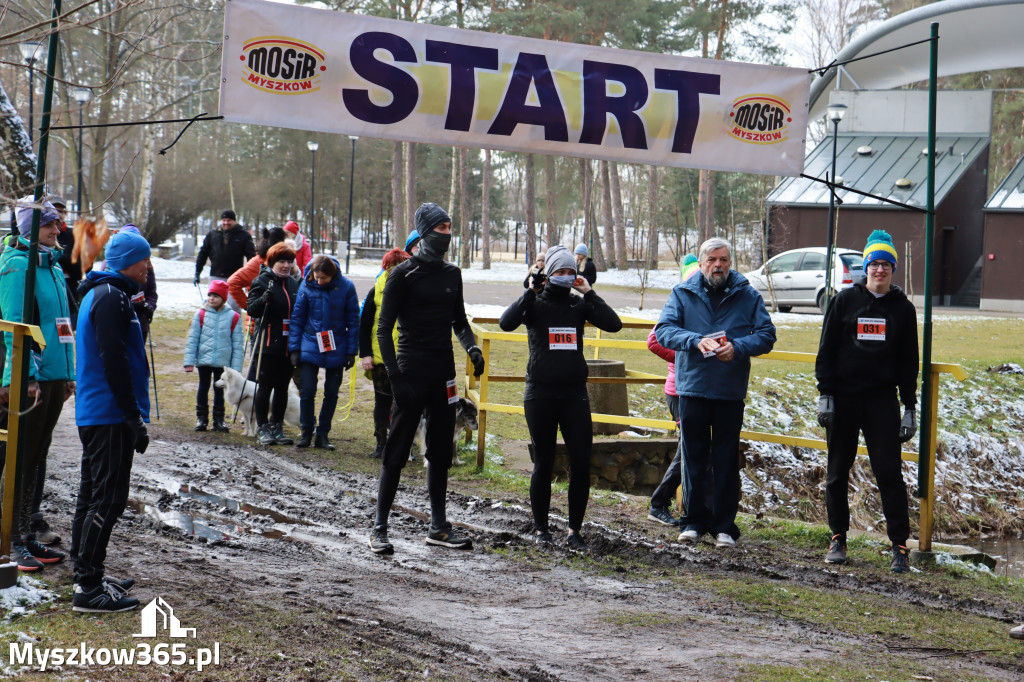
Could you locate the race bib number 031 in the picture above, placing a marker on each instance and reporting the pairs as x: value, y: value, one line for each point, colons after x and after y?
x: 871, y: 329
x: 562, y: 338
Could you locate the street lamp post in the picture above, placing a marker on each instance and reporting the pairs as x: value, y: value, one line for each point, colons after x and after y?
x: 835, y: 114
x: 312, y: 146
x: 81, y: 96
x: 29, y: 52
x: 351, y: 180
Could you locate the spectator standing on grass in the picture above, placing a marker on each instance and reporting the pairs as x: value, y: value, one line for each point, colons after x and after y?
x: 867, y: 354
x: 271, y: 299
x: 111, y: 411
x: 555, y: 396
x: 299, y: 244
x: 584, y: 265
x: 227, y: 247
x: 214, y: 342
x: 144, y: 302
x: 423, y: 296
x: 324, y: 333
x: 369, y: 347
x: 715, y: 322
x: 663, y: 495
x: 51, y: 373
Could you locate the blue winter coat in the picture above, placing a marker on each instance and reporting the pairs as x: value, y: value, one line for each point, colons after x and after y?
x: 113, y: 371
x: 57, y: 361
x: 213, y: 342
x: 688, y: 316
x: 319, y: 308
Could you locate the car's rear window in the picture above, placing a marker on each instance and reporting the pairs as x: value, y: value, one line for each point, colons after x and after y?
x: 853, y: 261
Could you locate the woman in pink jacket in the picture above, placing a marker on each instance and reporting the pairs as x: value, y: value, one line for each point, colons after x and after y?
x: 303, y: 254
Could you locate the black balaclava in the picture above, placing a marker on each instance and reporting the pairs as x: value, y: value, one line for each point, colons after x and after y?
x: 433, y: 245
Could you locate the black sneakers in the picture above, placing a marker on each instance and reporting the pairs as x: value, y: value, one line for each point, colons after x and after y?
x: 379, y: 541
x: 900, y: 559
x: 576, y: 543
x: 44, y: 554
x: 265, y: 434
x: 322, y: 442
x: 104, y: 598
x: 662, y: 516
x: 41, y: 529
x: 542, y: 537
x: 836, y: 550
x: 123, y: 586
x: 446, y: 536
x: 305, y: 439
x: 279, y: 437
x: 26, y: 562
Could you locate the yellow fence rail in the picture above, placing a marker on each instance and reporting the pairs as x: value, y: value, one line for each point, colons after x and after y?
x: 10, y: 435
x: 478, y: 389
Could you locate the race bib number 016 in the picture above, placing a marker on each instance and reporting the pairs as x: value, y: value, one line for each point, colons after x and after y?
x: 871, y: 329
x: 562, y: 338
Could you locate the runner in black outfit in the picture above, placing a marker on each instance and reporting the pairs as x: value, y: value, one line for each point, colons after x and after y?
x: 556, y: 383
x: 424, y: 295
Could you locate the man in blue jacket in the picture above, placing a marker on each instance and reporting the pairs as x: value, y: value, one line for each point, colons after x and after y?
x: 715, y: 322
x: 111, y: 410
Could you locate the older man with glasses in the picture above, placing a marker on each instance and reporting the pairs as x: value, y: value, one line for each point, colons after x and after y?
x: 868, y: 352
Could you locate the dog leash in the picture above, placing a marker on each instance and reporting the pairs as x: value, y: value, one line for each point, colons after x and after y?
x: 347, y: 407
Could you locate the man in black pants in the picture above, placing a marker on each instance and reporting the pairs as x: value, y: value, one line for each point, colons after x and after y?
x: 111, y: 411
x: 868, y: 350
x: 424, y: 295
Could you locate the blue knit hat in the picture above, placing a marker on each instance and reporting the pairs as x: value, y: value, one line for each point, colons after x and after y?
x: 24, y: 211
x: 429, y: 216
x: 880, y: 247
x: 411, y: 241
x: 581, y: 250
x: 125, y: 249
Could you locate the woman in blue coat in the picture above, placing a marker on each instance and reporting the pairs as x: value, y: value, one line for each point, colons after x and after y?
x: 325, y: 333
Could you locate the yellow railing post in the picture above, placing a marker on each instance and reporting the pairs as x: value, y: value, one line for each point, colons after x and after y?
x: 927, y: 515
x: 14, y: 407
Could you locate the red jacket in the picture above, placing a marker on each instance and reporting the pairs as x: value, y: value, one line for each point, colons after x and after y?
x: 667, y: 355
x: 303, y: 254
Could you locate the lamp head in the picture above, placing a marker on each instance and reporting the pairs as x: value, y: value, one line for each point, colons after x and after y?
x: 81, y: 95
x: 313, y: 146
x: 32, y: 50
x: 836, y: 112
x: 353, y: 137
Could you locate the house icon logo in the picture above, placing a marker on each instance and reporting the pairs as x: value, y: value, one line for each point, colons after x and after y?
x: 159, y: 616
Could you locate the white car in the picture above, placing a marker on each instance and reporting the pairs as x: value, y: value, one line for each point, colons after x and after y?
x: 798, y: 276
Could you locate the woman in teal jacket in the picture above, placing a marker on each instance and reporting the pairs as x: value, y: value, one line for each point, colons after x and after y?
x: 54, y: 368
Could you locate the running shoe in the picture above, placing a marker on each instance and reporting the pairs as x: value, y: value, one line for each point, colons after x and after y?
x: 104, y: 598
x: 836, y: 550
x: 662, y: 516
x: 44, y: 554
x: 379, y: 541
x: 41, y: 529
x: 542, y: 537
x: 725, y: 540
x: 689, y: 537
x: 900, y: 559
x: 576, y: 543
x: 26, y: 562
x: 446, y: 536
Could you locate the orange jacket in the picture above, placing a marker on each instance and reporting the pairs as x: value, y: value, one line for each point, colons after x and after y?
x: 239, y: 282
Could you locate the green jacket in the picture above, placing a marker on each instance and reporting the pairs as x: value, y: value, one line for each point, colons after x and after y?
x: 57, y: 360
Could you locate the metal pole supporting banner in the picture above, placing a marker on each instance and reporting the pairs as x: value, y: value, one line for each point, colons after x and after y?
x: 925, y: 462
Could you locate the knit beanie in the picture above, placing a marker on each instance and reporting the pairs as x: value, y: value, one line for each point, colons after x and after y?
x: 130, y: 228
x: 581, y: 250
x: 429, y: 216
x: 411, y: 241
x: 228, y: 213
x: 880, y: 248
x: 688, y: 266
x: 291, y: 226
x: 125, y: 249
x: 219, y: 287
x: 558, y: 257
x: 24, y: 212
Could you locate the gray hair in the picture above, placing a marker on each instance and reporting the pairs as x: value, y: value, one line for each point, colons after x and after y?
x: 711, y: 245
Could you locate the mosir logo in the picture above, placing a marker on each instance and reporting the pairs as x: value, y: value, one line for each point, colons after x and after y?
x: 282, y: 65
x: 761, y: 119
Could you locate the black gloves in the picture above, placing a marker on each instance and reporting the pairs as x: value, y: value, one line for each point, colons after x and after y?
x: 139, y: 433
x: 350, y: 361
x: 908, y: 427
x: 477, y: 356
x: 196, y: 282
x: 826, y: 411
x: 296, y: 357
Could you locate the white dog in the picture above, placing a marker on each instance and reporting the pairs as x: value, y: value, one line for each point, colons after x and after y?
x: 240, y: 391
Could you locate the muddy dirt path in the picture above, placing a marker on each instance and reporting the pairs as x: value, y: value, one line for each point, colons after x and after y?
x: 210, y: 526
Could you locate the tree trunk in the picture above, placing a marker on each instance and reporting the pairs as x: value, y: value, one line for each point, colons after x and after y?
x: 18, y: 165
x: 705, y: 205
x: 465, y: 232
x: 617, y: 217
x: 606, y: 214
x: 454, y: 181
x: 591, y: 237
x: 531, y: 218
x: 397, y: 200
x: 410, y: 184
x: 145, y: 195
x: 549, y: 190
x: 652, y: 215
x: 485, y: 211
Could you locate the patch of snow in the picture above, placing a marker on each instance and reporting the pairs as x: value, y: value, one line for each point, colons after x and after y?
x: 16, y: 600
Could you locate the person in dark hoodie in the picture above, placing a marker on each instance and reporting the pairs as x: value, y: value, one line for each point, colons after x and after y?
x: 111, y: 411
x: 556, y: 382
x: 227, y: 248
x: 423, y: 296
x: 868, y: 353
x: 271, y: 298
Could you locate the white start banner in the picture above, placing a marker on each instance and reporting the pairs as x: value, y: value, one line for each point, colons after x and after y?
x: 319, y: 70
